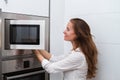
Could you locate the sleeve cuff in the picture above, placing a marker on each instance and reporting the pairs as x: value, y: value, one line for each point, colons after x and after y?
x: 45, y: 62
x: 52, y: 58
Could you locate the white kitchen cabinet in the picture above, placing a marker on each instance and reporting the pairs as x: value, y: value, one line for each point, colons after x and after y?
x: 2, y: 4
x: 32, y: 7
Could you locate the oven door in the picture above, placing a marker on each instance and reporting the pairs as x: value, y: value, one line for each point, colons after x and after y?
x: 35, y: 75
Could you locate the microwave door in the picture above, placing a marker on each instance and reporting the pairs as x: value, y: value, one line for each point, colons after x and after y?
x: 27, y: 35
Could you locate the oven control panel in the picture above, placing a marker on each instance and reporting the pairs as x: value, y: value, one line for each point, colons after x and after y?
x: 19, y: 64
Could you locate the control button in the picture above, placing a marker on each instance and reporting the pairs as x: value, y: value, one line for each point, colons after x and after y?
x: 26, y: 64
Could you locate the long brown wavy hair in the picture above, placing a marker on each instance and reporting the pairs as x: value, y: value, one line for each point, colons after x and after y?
x: 85, y: 42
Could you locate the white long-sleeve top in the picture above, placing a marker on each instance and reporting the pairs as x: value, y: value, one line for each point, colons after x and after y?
x: 73, y: 65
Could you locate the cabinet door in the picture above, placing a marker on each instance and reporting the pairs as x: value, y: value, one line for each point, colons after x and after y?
x: 2, y: 4
x: 32, y: 7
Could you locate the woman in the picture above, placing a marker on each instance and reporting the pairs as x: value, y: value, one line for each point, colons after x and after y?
x: 80, y: 63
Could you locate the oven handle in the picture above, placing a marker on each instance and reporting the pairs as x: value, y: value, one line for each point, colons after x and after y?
x: 24, y: 75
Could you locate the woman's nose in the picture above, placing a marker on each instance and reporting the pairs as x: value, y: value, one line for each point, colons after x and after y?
x: 64, y: 31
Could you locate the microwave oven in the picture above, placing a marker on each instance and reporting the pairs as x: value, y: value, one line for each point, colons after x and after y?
x: 27, y: 34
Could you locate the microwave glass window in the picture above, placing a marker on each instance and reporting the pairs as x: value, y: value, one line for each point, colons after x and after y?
x: 24, y: 34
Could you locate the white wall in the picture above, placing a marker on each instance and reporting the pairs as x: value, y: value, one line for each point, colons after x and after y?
x: 103, y: 16
x: 56, y: 31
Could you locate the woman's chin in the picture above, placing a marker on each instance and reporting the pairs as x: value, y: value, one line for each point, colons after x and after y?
x: 66, y: 39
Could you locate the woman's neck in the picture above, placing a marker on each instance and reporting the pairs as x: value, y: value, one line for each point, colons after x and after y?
x: 74, y: 45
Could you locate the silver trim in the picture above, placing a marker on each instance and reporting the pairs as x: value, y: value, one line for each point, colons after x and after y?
x: 0, y: 50
x: 26, y: 74
x: 7, y: 58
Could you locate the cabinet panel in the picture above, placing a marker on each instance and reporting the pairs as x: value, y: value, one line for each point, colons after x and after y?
x: 2, y: 4
x: 32, y: 7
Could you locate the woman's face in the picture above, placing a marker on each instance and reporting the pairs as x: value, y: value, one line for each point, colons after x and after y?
x: 69, y: 34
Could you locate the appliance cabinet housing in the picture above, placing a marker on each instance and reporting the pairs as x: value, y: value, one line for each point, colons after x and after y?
x: 15, y: 60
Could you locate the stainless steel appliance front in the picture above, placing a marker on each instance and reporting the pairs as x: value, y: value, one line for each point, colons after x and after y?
x: 15, y: 60
x: 5, y: 36
x: 30, y: 74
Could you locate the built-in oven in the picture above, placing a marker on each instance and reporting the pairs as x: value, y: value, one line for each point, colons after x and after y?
x: 31, y: 74
x: 23, y: 69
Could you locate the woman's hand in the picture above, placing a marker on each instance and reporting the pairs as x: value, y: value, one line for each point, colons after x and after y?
x: 39, y: 56
x: 44, y: 53
x: 35, y: 51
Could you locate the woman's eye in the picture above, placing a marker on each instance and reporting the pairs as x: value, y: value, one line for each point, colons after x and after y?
x: 68, y: 29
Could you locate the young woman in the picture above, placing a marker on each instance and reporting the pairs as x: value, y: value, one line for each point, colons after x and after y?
x: 80, y: 63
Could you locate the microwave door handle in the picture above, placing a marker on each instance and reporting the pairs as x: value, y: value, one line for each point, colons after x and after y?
x: 24, y: 75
